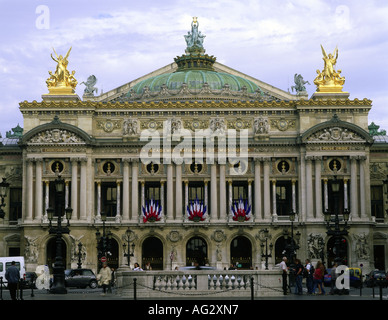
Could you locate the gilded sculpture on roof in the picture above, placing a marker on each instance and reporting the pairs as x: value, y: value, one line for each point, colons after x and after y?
x: 329, y: 80
x: 62, y: 81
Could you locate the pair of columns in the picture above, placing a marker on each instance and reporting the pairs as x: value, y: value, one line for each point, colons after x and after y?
x: 33, y: 192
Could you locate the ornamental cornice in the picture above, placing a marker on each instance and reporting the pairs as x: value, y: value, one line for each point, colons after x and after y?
x: 334, y: 102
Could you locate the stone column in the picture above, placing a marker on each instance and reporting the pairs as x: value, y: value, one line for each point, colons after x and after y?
x: 257, y: 204
x: 309, y: 189
x: 274, y: 209
x: 118, y: 217
x: 365, y: 188
x: 302, y: 187
x: 135, y: 190
x: 162, y: 184
x: 353, y: 188
x: 205, y: 192
x: 74, y: 188
x: 66, y: 193
x: 318, y: 188
x: 267, y: 196
x: 170, y: 193
x: 326, y: 194
x: 30, y: 189
x: 178, y: 191
x: 83, y: 191
x: 346, y: 204
x: 250, y: 193
x: 293, y: 181
x: 125, y: 189
x: 223, y: 210
x: 46, y: 201
x: 186, y: 198
x: 230, y: 202
x: 98, y: 213
x: 38, y: 190
x: 213, y: 192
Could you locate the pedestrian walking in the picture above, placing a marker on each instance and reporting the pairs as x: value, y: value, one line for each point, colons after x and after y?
x: 298, y: 277
x: 333, y: 278
x: 104, y: 278
x: 308, y: 274
x: 318, y: 278
x: 13, y: 277
x: 283, y: 266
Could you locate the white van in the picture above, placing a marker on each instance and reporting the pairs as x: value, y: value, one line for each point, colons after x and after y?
x: 5, y: 263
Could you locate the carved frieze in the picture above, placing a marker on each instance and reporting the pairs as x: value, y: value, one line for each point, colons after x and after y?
x: 108, y: 125
x: 56, y: 136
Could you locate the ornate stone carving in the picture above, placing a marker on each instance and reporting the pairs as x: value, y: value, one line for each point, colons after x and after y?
x: 261, y: 125
x: 283, y: 124
x: 315, y: 244
x: 130, y: 127
x: 217, y: 125
x: 218, y: 236
x: 336, y: 134
x: 108, y: 125
x: 362, y: 248
x: 57, y: 136
x: 174, y: 236
x: 31, y: 249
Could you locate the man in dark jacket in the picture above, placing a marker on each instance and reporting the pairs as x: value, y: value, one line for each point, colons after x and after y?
x: 13, y: 276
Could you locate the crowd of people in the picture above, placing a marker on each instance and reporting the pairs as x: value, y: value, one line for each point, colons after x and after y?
x: 314, y: 276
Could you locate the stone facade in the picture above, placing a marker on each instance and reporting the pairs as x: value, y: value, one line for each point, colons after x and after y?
x: 117, y: 153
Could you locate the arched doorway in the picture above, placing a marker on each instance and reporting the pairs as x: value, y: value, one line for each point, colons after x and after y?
x: 52, y: 252
x: 152, y: 252
x: 281, y: 249
x: 332, y: 251
x: 241, y: 252
x: 113, y: 254
x: 196, y: 250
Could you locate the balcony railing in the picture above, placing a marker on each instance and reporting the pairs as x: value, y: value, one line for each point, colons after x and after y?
x: 200, y: 284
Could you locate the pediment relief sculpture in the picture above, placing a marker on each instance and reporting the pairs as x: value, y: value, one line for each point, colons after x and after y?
x: 56, y: 136
x: 335, y: 134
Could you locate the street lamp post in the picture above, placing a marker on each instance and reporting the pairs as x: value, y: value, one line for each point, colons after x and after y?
x: 104, y: 241
x: 264, y: 239
x: 3, y: 194
x: 58, y: 286
x: 291, y: 245
x: 127, y: 247
x: 333, y: 224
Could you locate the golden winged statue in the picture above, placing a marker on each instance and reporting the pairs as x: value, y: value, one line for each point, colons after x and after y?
x: 62, y: 81
x: 329, y: 80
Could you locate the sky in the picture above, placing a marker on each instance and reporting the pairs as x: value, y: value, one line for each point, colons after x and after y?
x: 119, y: 41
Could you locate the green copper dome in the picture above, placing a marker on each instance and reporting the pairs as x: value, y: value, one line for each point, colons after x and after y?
x: 195, y: 79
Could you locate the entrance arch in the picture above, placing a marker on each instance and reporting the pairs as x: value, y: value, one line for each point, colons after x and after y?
x: 196, y: 250
x: 241, y: 252
x: 51, y: 252
x: 152, y: 252
x: 113, y: 254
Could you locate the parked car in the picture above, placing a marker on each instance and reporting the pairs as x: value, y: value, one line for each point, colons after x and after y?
x: 80, y: 278
x: 355, y: 277
x: 373, y: 277
x: 29, y: 280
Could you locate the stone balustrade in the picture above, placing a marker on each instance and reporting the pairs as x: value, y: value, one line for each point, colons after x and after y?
x: 192, y: 284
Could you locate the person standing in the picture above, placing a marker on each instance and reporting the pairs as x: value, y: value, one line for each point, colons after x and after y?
x: 105, y: 277
x: 318, y: 277
x: 13, y: 277
x: 333, y: 278
x: 284, y: 268
x: 298, y: 277
x: 309, y: 271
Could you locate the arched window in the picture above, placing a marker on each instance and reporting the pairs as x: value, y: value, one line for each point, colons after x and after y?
x: 152, y: 252
x: 196, y: 250
x: 241, y: 252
